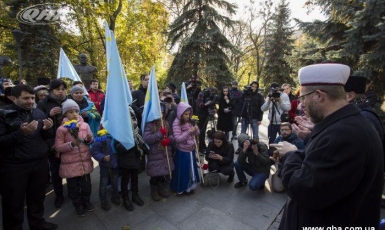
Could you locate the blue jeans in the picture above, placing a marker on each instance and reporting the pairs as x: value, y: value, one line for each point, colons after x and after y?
x: 258, y: 179
x: 105, y: 175
x: 272, y: 132
x: 254, y: 126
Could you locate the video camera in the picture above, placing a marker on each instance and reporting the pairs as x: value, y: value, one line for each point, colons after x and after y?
x: 275, y: 93
x: 194, y: 83
x: 254, y: 142
x: 247, y: 91
x: 167, y: 97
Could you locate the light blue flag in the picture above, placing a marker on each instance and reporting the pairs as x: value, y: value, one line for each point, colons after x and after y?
x: 67, y: 70
x: 116, y: 115
x: 151, y: 109
x: 183, y: 93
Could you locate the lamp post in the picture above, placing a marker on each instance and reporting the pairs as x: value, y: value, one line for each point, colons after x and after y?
x: 18, y: 36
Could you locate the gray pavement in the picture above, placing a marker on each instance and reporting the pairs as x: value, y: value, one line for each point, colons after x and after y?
x: 221, y: 208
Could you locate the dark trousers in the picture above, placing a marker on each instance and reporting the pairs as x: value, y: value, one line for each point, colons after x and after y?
x: 128, y: 174
x: 226, y: 170
x: 273, y: 131
x: 19, y: 183
x: 57, y: 181
x: 79, y: 189
x: 154, y: 180
x: 108, y: 175
x: 202, y: 124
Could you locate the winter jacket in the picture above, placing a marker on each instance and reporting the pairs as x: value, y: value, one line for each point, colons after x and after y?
x: 17, y: 147
x: 185, y: 141
x: 96, y: 98
x: 224, y: 119
x: 156, y: 158
x: 283, y: 105
x: 293, y: 139
x: 260, y: 163
x: 226, y: 151
x: 75, y: 161
x: 138, y: 97
x: 256, y: 101
x: 101, y: 149
x: 127, y: 159
x: 236, y: 99
x: 46, y: 105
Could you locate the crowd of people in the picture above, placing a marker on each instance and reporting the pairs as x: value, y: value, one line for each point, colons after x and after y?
x: 325, y: 139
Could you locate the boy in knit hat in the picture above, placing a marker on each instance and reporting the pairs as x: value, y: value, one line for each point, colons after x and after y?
x: 254, y: 160
x: 76, y: 164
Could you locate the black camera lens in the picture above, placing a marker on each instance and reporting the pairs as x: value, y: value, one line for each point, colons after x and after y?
x: 168, y: 100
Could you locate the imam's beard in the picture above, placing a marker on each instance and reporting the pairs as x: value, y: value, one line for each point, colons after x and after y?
x: 314, y: 114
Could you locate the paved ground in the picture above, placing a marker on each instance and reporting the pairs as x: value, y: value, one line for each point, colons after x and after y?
x: 221, y: 208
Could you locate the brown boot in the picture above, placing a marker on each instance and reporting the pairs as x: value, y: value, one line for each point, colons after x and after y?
x: 163, y: 189
x: 155, y: 192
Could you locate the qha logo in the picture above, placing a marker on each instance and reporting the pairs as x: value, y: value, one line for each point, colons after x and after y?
x: 40, y: 14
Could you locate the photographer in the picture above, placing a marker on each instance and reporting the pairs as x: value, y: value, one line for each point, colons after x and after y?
x: 254, y: 160
x: 205, y: 108
x: 193, y: 88
x: 252, y: 114
x: 220, y: 156
x: 170, y: 106
x: 172, y: 88
x: 277, y: 103
x: 236, y: 100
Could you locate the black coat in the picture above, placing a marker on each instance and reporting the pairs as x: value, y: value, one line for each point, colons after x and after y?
x: 127, y: 159
x: 138, y: 96
x: 225, y: 123
x: 256, y: 101
x: 236, y: 99
x: 226, y: 151
x: 15, y: 146
x: 337, y: 180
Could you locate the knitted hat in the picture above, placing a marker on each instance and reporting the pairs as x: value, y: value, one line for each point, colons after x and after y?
x: 171, y: 86
x: 43, y: 81
x: 324, y: 74
x: 234, y: 83
x: 356, y: 84
x: 242, y: 138
x: 40, y: 87
x: 75, y: 88
x: 56, y: 83
x: 68, y: 105
x: 274, y: 85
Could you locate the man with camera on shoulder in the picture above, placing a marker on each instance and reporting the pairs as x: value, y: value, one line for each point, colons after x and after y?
x: 278, y: 104
x: 193, y: 88
x: 254, y: 160
x: 251, y: 109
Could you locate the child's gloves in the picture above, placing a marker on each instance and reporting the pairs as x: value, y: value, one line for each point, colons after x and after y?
x: 166, y: 141
x: 163, y: 131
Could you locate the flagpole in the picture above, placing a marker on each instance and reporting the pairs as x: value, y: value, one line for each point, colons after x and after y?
x: 199, y: 158
x: 168, y: 160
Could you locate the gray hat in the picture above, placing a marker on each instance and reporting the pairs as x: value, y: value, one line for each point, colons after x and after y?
x: 75, y: 89
x: 68, y: 105
x: 234, y: 83
x: 242, y: 138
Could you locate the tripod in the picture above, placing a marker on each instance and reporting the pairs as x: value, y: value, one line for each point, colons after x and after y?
x: 273, y: 116
x: 246, y: 104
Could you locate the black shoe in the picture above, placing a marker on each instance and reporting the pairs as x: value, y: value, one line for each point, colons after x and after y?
x: 59, y: 201
x: 240, y: 184
x: 80, y: 211
x: 234, y: 138
x: 88, y: 206
x: 45, y: 226
x: 105, y: 205
x: 116, y: 200
x: 128, y: 205
x: 192, y: 192
x: 136, y: 199
x: 230, y: 179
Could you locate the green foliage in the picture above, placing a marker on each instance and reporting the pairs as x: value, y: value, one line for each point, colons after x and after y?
x: 279, y: 47
x: 201, y: 43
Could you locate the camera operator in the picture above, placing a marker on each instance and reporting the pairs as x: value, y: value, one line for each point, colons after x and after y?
x: 236, y: 100
x: 252, y: 113
x: 193, y: 88
x: 277, y: 103
x: 254, y: 160
x: 172, y: 87
x: 170, y: 106
x: 205, y: 108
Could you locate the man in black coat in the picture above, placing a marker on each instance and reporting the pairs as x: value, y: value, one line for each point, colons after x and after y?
x: 337, y: 180
x: 138, y: 97
x: 236, y: 99
x: 23, y: 161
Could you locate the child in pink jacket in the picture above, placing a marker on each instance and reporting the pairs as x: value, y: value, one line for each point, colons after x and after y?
x: 76, y: 164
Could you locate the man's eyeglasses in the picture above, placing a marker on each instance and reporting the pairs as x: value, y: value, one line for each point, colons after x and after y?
x: 302, y: 97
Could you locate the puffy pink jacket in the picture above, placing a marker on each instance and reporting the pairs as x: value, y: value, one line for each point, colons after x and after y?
x: 71, y: 164
x: 185, y: 141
